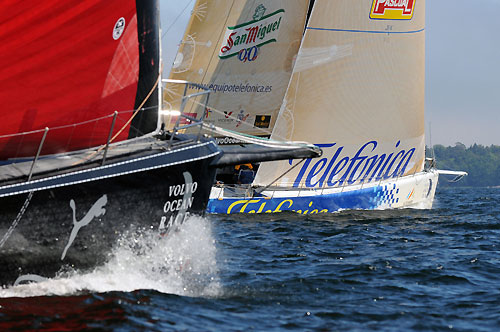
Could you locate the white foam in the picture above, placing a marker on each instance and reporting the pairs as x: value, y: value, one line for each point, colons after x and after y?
x: 183, y: 263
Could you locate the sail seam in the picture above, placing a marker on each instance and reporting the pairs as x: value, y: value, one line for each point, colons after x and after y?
x: 367, y: 31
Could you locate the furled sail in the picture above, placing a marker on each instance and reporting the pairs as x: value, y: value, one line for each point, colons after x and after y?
x: 357, y: 91
x: 69, y: 65
x: 244, y: 52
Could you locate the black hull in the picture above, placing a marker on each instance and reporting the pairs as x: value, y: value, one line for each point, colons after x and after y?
x: 76, y: 224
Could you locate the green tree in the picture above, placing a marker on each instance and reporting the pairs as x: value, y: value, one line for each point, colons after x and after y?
x: 481, y: 162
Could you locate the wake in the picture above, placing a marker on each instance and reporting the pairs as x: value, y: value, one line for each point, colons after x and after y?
x: 182, y: 262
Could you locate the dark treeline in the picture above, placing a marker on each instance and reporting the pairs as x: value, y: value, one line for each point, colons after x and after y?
x: 481, y: 162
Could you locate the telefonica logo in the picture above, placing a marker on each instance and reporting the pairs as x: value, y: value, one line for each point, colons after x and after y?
x: 392, y: 9
x: 245, y: 39
x: 365, y: 166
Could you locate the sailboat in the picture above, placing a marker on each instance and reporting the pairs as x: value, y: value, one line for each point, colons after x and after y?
x: 357, y: 91
x: 243, y: 51
x: 85, y: 157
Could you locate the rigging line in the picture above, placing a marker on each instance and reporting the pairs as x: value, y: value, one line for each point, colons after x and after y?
x: 125, y: 125
x: 16, y: 221
x: 264, y: 131
x: 259, y: 190
x: 255, y: 139
x: 59, y: 127
x: 138, y: 108
x: 279, y: 177
x: 221, y: 36
x: 171, y: 25
x: 73, y: 124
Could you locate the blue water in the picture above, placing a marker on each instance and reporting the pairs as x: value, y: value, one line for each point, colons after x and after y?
x: 405, y: 270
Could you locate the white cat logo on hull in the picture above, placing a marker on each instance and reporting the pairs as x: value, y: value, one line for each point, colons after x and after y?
x: 95, y: 211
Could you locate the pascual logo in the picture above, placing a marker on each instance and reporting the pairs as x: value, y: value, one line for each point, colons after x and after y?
x: 392, y: 9
x: 245, y: 39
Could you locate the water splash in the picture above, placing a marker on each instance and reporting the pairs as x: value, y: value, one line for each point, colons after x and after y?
x: 182, y: 262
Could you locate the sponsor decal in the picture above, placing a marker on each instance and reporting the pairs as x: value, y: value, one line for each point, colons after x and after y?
x: 119, y: 28
x: 183, y: 120
x: 208, y: 112
x: 248, y: 54
x: 244, y: 39
x: 227, y: 140
x: 227, y: 117
x: 241, y: 118
x: 95, y: 211
x: 364, y: 167
x: 377, y: 196
x: 392, y: 9
x: 29, y: 278
x: 259, y: 206
x: 230, y: 140
x: 262, y: 121
x: 178, y: 205
x: 236, y: 88
x: 259, y: 12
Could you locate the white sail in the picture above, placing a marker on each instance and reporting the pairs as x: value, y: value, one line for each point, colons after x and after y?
x: 244, y: 52
x: 357, y: 89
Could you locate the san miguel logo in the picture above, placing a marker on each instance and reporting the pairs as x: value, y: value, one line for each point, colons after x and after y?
x: 244, y: 40
x: 392, y: 9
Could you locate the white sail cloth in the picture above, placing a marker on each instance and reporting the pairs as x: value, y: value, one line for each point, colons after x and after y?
x: 357, y: 90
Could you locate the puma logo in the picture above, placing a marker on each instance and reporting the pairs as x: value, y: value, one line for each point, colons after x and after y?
x: 95, y: 211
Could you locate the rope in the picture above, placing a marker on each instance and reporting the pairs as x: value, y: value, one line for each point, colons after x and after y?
x: 136, y: 111
x: 16, y: 221
x: 259, y: 190
x: 250, y: 126
x: 124, y: 126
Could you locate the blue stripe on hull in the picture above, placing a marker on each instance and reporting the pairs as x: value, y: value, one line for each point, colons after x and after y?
x: 367, y: 198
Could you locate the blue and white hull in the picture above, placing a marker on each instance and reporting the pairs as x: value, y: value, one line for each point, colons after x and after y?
x: 414, y: 191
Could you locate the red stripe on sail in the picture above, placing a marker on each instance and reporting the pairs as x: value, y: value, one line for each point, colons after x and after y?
x: 60, y: 65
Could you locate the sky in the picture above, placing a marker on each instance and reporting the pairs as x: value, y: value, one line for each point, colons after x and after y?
x: 462, y: 66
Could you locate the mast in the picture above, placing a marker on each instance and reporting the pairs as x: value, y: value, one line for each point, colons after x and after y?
x: 147, y: 97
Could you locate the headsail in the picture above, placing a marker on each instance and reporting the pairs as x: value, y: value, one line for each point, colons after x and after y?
x: 78, y: 61
x: 357, y: 90
x: 244, y: 52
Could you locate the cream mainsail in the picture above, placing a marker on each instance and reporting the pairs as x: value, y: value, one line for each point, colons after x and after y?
x: 357, y: 89
x: 244, y: 52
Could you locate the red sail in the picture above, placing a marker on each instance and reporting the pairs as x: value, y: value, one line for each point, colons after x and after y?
x: 66, y: 62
